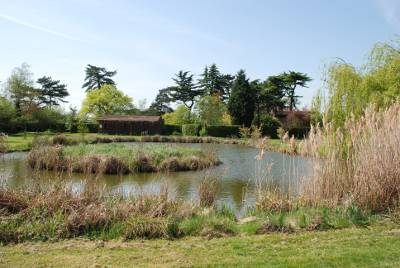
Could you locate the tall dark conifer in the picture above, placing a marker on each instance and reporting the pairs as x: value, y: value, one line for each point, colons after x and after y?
x: 241, y: 104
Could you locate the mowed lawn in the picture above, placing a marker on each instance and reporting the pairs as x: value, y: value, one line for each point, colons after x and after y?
x: 377, y: 246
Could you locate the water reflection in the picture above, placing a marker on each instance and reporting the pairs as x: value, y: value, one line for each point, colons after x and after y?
x: 237, y: 175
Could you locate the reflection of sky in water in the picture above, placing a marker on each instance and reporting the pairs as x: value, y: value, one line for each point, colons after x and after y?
x: 237, y: 175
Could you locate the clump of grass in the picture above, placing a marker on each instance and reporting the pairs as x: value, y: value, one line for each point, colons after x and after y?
x: 119, y: 159
x: 150, y: 228
x: 211, y: 225
x: 208, y: 191
x: 3, y: 143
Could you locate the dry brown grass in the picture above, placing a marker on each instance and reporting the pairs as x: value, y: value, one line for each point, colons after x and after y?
x: 208, y: 191
x: 360, y: 163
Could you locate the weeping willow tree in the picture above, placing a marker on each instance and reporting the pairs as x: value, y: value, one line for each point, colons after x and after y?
x: 352, y: 89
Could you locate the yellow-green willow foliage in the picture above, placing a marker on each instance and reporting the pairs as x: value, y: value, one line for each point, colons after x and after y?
x: 351, y: 90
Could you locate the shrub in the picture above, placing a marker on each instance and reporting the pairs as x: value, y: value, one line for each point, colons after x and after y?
x: 223, y: 131
x: 269, y: 126
x: 171, y: 129
x: 203, y: 132
x: 190, y: 129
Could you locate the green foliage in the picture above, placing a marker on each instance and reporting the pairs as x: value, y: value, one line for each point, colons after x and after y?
x: 161, y: 103
x: 269, y: 126
x: 107, y: 100
x: 203, y: 131
x: 223, y: 131
x: 184, y: 91
x: 96, y: 77
x: 241, y: 104
x: 211, y: 110
x: 20, y: 88
x: 182, y: 115
x: 171, y: 129
x: 352, y: 90
x: 213, y: 83
x: 51, y: 91
x: 190, y: 129
x: 7, y: 114
x: 316, y: 111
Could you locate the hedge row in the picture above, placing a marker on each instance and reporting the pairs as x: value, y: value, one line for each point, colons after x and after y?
x: 41, y: 127
x: 223, y: 131
x: 172, y: 130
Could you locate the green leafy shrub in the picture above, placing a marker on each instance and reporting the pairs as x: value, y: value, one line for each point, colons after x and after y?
x: 269, y: 126
x: 223, y: 131
x: 190, y: 129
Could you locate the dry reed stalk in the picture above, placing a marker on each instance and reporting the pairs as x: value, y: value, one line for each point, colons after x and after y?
x: 361, y: 162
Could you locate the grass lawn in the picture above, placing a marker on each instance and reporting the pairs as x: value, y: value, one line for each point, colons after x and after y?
x: 376, y: 246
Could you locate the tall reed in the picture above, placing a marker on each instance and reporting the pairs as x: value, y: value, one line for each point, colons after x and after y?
x: 358, y: 164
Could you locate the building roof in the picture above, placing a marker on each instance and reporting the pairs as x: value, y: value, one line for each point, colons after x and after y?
x: 131, y: 118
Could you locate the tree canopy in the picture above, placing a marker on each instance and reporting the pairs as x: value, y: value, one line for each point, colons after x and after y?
x: 51, y: 91
x: 211, y: 110
x: 107, y: 100
x: 20, y: 86
x: 212, y: 82
x: 351, y: 90
x: 161, y: 103
x: 184, y: 90
x: 96, y: 77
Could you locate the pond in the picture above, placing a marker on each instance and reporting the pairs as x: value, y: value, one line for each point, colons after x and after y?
x: 238, y: 175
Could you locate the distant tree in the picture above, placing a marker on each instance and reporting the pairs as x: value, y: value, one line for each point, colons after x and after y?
x: 241, y: 104
x: 292, y: 80
x: 215, y: 83
x: 272, y: 95
x: 107, y: 100
x: 19, y: 87
x: 161, y: 103
x: 97, y: 77
x: 184, y: 91
x: 72, y: 119
x: 7, y: 111
x: 51, y: 91
x: 181, y: 115
x: 211, y: 110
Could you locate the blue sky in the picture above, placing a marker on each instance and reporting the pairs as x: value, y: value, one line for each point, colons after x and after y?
x: 149, y: 41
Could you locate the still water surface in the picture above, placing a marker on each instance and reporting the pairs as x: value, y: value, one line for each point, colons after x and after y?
x: 238, y: 175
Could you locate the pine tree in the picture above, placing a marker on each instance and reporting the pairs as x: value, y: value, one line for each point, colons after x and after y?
x: 97, y: 76
x: 215, y: 83
x: 51, y: 91
x: 184, y: 91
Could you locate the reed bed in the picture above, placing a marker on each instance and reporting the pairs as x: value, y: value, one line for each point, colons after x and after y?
x: 361, y: 162
x: 119, y: 158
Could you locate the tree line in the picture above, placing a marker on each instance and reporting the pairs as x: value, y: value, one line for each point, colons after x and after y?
x: 212, y: 98
x: 244, y: 99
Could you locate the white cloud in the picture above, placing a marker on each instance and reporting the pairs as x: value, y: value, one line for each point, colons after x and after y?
x: 37, y: 27
x: 391, y: 11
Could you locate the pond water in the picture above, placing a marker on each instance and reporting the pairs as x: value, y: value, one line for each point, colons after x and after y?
x: 238, y: 175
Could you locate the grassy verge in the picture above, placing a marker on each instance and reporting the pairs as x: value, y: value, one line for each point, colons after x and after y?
x: 377, y: 246
x: 119, y: 158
